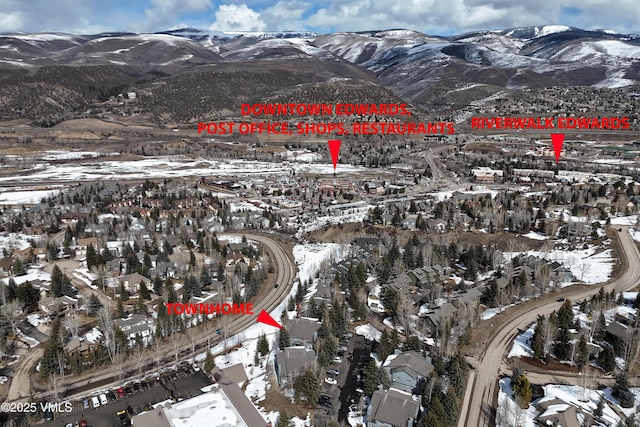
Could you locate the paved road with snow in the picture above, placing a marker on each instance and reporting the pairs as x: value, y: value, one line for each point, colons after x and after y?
x: 480, y: 410
x: 206, y: 335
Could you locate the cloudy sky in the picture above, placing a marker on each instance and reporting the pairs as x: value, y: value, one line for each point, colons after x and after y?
x: 441, y: 17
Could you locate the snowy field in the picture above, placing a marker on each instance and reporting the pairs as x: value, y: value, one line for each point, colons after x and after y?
x: 11, y: 241
x: 176, y: 167
x: 26, y: 197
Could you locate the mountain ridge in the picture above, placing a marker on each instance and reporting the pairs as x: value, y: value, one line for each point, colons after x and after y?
x: 424, y: 70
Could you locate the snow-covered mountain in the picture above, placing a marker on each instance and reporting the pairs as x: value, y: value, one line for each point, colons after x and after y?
x: 423, y: 69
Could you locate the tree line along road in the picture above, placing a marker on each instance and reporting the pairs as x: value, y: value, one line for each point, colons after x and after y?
x: 478, y: 406
x: 205, y: 334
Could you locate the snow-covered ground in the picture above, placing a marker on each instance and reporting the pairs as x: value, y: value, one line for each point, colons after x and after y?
x: 26, y: 197
x: 369, y: 332
x: 14, y: 241
x: 309, y: 257
x: 32, y: 275
x: 535, y: 236
x: 522, y: 344
x: 510, y: 414
x: 325, y: 221
x: 176, y: 166
x: 490, y: 312
x: 591, y: 266
x: 625, y: 220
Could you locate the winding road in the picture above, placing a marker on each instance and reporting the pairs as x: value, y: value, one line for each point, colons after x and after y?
x: 478, y: 406
x: 285, y: 272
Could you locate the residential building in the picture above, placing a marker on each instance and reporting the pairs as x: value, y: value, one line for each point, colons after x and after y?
x: 291, y: 361
x: 136, y: 325
x: 393, y: 408
x: 302, y: 331
x: 406, y: 369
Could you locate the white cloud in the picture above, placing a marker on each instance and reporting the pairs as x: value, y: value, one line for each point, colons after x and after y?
x: 10, y: 21
x: 286, y: 15
x: 164, y: 12
x: 458, y: 16
x: 232, y: 17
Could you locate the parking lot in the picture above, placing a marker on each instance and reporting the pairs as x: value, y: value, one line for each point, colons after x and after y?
x: 137, y: 397
x: 336, y: 399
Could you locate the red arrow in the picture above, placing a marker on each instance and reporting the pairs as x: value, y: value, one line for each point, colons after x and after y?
x: 557, y: 139
x: 266, y: 318
x: 334, y: 148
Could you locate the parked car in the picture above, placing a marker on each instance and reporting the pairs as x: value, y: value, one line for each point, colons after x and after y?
x: 85, y: 403
x: 331, y: 381
x: 136, y: 387
x: 333, y: 371
x: 121, y: 392
x: 95, y: 402
x: 103, y: 399
x: 111, y: 395
x: 124, y: 417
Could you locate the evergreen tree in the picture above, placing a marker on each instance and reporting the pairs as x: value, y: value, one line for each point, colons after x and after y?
x: 299, y: 293
x: 27, y: 294
x: 209, y: 363
x: 582, y: 354
x: 537, y: 341
x: 18, y: 267
x: 371, y: 378
x: 607, y: 358
x: 337, y: 318
x: 291, y: 305
x: 391, y: 300
x: 490, y: 294
x: 157, y: 286
x: 144, y: 291
x: 450, y: 403
x: 53, y: 352
x: 94, y: 305
x: 562, y: 346
x: 56, y: 281
x: 283, y: 420
x: 384, y: 347
x: 263, y: 345
x: 412, y: 343
x: 119, y: 308
x: 600, y: 407
x: 283, y: 339
x: 11, y: 290
x: 91, y: 257
x: 565, y: 315
x: 601, y: 327
x: 458, y: 370
x: 522, y: 391
x: 621, y: 390
x: 306, y: 386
